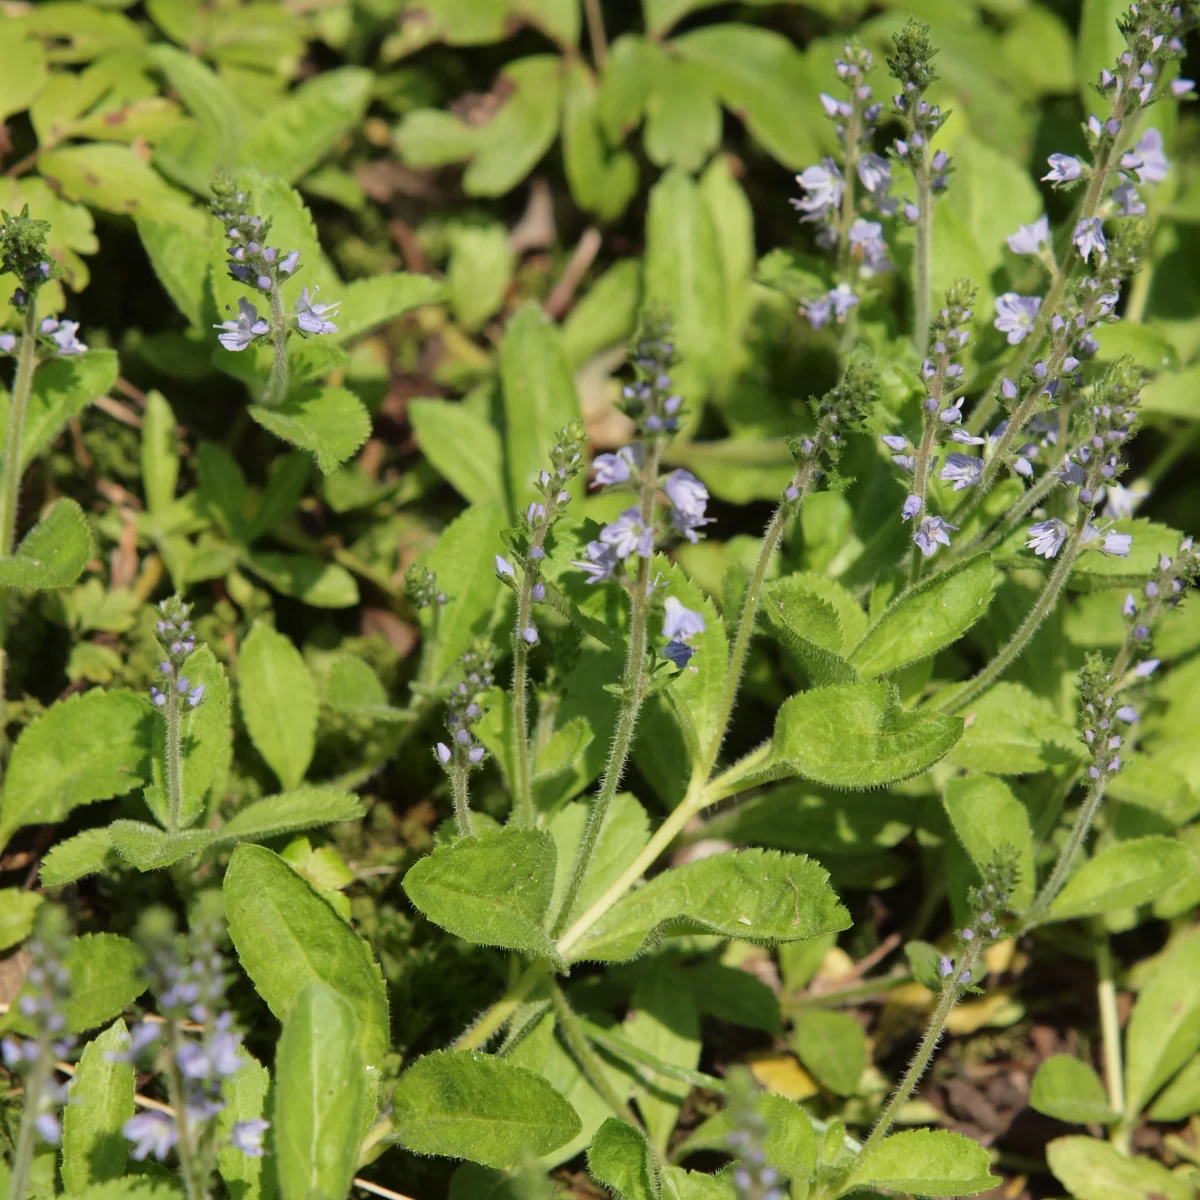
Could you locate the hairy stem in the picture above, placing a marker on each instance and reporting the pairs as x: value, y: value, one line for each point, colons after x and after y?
x: 495, y: 1018
x: 921, y: 481
x: 585, y: 1058
x: 952, y: 990
x: 989, y: 539
x: 10, y: 487
x: 277, y: 387
x: 459, y: 789
x: 923, y: 266
x: 1016, y: 644
x: 634, y: 683
x: 804, y: 480
x: 1066, y: 856
x: 195, y: 1188
x: 174, y: 754
x: 35, y: 1085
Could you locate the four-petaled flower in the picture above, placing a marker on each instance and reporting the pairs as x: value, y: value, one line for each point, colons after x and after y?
x: 963, y: 469
x: 1046, y: 537
x: 600, y: 563
x: 688, y: 497
x: 679, y: 622
x: 1110, y: 543
x: 1146, y: 159
x: 151, y: 1133
x: 1015, y: 315
x: 628, y: 535
x: 248, y: 326
x: 310, y: 316
x: 64, y: 335
x: 932, y: 533
x: 823, y: 182
x: 247, y: 1136
x: 613, y: 468
x: 835, y: 303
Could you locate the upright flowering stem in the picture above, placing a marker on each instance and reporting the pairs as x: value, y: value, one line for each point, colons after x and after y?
x: 10, y: 487
x: 522, y: 751
x: 634, y: 691
x: 459, y: 790
x: 278, y: 386
x: 465, y: 704
x: 951, y: 993
x: 35, y: 1085
x: 1015, y: 646
x: 174, y: 758
x: 195, y: 1189
x: 923, y: 264
x: 802, y: 484
x: 923, y: 457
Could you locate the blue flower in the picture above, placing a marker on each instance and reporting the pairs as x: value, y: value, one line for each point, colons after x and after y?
x: 1029, y: 239
x: 247, y: 1136
x: 63, y: 333
x: 681, y: 623
x: 613, y: 468
x: 1015, y: 315
x: 1117, y: 544
x: 248, y: 326
x: 835, y: 303
x: 504, y: 567
x: 1046, y: 537
x: 1089, y: 237
x: 628, y: 535
x: 600, y: 562
x: 678, y: 652
x: 8, y: 343
x: 1146, y: 159
x: 688, y: 497
x: 932, y: 533
x: 310, y: 316
x: 823, y: 182
x: 867, y: 244
x: 1129, y: 200
x: 912, y: 505
x: 963, y: 469
x: 1063, y: 168
x: 875, y: 173
x: 152, y: 1133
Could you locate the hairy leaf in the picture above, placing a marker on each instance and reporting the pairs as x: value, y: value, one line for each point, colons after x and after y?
x: 286, y: 936
x: 468, y: 1105
x: 52, y: 554
x: 987, y: 817
x: 93, y: 1147
x: 1094, y: 1170
x: 927, y: 1162
x: 1123, y: 876
x: 17, y: 911
x: 1066, y: 1088
x: 443, y: 427
x: 619, y: 1157
x: 331, y: 422
x: 289, y: 812
x: 321, y: 1096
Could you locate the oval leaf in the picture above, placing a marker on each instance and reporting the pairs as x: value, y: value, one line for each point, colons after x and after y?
x: 52, y: 554
x: 464, y: 1105
x: 926, y: 1162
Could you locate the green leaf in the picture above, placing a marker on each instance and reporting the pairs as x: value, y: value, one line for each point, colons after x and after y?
x: 1094, y: 1170
x: 84, y: 854
x: 88, y: 747
x: 110, y: 177
x: 23, y: 74
x: 539, y: 399
x: 493, y: 890
x: 678, y: 1184
x: 1180, y: 1099
x: 321, y: 1096
x: 432, y: 137
x: 330, y: 422
x: 462, y: 1104
x: 619, y: 1157
x: 62, y: 389
x: 854, y: 735
x: 753, y: 895
x: 602, y: 182
x: 352, y: 687
x: 289, y: 812
x: 934, y: 614
x: 683, y: 116
x: 278, y: 699
x: 105, y: 972
x: 480, y: 270
x: 523, y: 129
x: 1100, y: 44
x: 160, y: 454
x: 93, y: 1147
x: 17, y: 910
x: 926, y: 1162
x: 684, y: 275
x: 178, y: 252
x: 1014, y: 732
x: 53, y: 554
x: 763, y: 78
x: 287, y: 936
x: 464, y: 562
x: 606, y: 315
x: 986, y: 817
x: 319, y: 584
x: 814, y: 624
x: 248, y: 1095
x: 833, y: 1047
x: 1039, y: 51
x: 294, y: 135
x: 1071, y: 1091
x: 149, y: 848
x: 734, y: 996
x: 207, y: 96
x: 1164, y: 1027
x: 443, y: 428
x: 1123, y: 876
x: 368, y: 303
